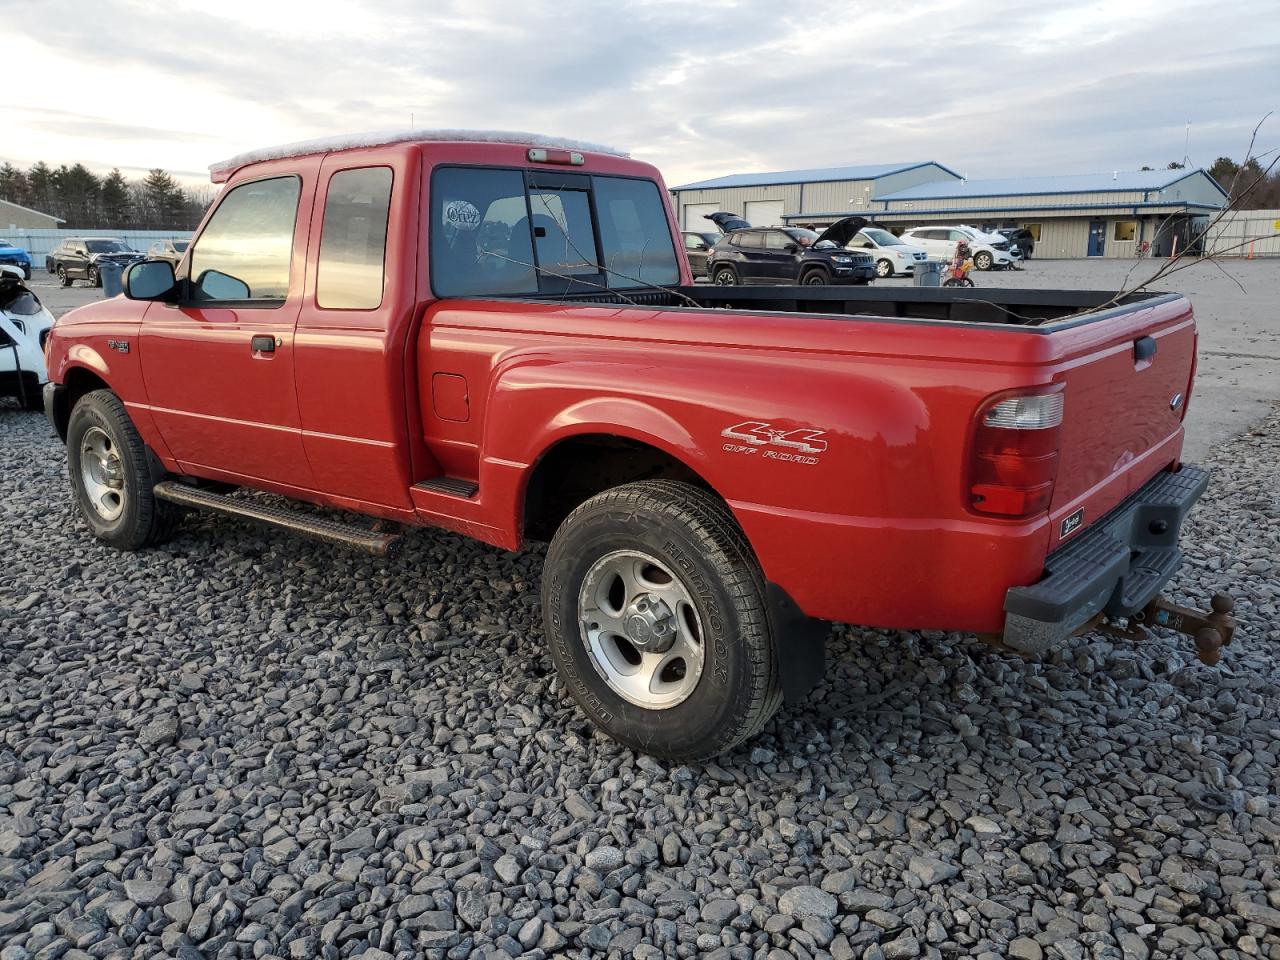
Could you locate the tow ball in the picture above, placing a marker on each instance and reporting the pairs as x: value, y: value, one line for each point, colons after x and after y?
x: 1211, y: 631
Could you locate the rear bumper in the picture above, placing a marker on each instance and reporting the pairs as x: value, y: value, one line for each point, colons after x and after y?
x: 1116, y: 567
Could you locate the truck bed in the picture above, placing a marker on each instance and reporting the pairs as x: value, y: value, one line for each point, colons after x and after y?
x: 1033, y: 309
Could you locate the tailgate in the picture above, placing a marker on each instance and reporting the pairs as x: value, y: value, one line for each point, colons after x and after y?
x: 1127, y: 377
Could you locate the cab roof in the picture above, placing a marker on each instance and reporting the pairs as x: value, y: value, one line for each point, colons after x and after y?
x: 220, y: 172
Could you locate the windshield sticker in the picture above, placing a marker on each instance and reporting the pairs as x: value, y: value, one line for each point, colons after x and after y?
x: 461, y: 215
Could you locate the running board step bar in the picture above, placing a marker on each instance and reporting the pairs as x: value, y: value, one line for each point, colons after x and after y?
x: 331, y: 531
x: 453, y: 486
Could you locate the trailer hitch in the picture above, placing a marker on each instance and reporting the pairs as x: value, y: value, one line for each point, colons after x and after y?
x: 1211, y: 631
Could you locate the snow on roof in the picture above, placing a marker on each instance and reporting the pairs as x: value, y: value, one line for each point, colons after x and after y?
x: 377, y: 138
x: 1119, y: 181
x: 866, y: 171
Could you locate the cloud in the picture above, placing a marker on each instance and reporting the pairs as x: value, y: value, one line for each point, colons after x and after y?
x: 700, y: 89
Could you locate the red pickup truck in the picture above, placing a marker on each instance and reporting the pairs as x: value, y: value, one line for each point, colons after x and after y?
x: 497, y: 335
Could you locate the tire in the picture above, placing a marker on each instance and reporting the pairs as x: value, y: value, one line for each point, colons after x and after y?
x: 815, y: 278
x: 94, y: 277
x: 112, y: 475
x: 26, y: 273
x: 982, y: 260
x: 884, y: 269
x: 726, y: 277
x: 62, y: 276
x: 692, y: 555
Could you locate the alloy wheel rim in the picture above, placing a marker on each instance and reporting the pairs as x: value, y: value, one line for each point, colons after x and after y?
x: 102, y: 474
x: 641, y: 629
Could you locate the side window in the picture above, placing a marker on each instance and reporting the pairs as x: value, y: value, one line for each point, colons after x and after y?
x: 480, y: 238
x: 155, y: 248
x: 353, y: 239
x: 777, y: 240
x: 245, y: 250
x: 692, y: 241
x: 955, y: 236
x: 751, y: 240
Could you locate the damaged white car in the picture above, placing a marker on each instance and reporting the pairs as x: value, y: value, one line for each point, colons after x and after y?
x: 24, y: 327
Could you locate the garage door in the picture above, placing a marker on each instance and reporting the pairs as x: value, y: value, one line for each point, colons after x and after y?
x: 764, y: 213
x: 695, y: 216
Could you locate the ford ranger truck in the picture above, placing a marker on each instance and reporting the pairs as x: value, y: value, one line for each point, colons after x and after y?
x: 495, y: 334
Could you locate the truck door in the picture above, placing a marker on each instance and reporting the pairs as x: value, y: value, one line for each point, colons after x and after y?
x: 219, y: 366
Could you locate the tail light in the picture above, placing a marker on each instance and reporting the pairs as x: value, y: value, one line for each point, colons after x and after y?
x: 1015, y: 454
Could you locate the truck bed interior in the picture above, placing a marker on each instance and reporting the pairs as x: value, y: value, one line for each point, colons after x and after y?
x: 1026, y: 308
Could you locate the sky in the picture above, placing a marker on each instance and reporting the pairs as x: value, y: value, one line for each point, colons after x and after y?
x: 700, y: 88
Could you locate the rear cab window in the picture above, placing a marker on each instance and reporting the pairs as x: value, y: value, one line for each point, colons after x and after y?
x: 520, y: 232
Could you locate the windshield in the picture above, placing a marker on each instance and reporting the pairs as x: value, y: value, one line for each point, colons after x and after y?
x: 883, y: 237
x: 107, y: 246
x: 181, y: 245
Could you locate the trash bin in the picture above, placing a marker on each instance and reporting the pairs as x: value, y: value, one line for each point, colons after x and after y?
x: 928, y: 273
x: 112, y: 278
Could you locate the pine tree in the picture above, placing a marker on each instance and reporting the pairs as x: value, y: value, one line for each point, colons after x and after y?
x: 115, y: 200
x: 14, y: 186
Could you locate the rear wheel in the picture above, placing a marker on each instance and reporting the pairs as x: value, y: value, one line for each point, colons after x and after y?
x: 654, y: 608
x: 983, y: 260
x: 884, y: 268
x: 815, y: 278
x: 726, y: 277
x: 63, y: 278
x: 112, y: 477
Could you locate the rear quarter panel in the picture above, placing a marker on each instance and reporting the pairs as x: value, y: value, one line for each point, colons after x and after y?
x: 871, y: 527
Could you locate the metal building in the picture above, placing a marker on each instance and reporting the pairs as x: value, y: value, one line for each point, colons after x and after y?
x: 772, y: 199
x: 1088, y: 215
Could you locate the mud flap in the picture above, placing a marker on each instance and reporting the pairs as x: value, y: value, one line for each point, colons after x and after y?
x: 800, y: 643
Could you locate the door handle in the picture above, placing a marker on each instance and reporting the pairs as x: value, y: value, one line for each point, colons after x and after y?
x: 262, y: 343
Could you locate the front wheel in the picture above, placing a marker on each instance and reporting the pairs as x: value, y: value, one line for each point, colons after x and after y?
x: 884, y: 268
x: 111, y: 475
x: 726, y: 277
x: 815, y: 278
x: 94, y: 277
x: 654, y: 608
x: 982, y: 261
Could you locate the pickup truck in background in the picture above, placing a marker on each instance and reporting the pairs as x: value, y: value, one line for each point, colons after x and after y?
x: 497, y: 335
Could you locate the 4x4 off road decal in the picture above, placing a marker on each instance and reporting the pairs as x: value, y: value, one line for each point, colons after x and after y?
x: 799, y: 445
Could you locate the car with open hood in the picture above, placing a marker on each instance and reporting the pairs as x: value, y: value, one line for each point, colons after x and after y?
x: 787, y: 255
x: 81, y: 258
x: 941, y: 241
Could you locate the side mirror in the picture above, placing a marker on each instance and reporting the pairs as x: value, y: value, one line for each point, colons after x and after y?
x: 149, y: 280
x: 703, y: 246
x: 792, y: 248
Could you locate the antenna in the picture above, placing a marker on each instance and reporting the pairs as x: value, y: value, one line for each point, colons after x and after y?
x: 1186, y: 147
x: 410, y: 119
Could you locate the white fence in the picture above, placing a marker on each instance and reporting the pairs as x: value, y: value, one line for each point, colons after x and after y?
x: 40, y: 242
x: 1246, y: 233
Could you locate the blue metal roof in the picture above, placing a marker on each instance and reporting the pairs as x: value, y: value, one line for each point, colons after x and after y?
x: 1127, y: 180
x: 869, y: 171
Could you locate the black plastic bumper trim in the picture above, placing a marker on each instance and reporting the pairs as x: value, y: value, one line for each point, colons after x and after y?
x: 1117, y: 566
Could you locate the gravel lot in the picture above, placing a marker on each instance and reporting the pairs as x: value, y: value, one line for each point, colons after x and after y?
x: 247, y: 745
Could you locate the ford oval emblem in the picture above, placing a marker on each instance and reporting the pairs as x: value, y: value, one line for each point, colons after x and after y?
x: 1175, y: 401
